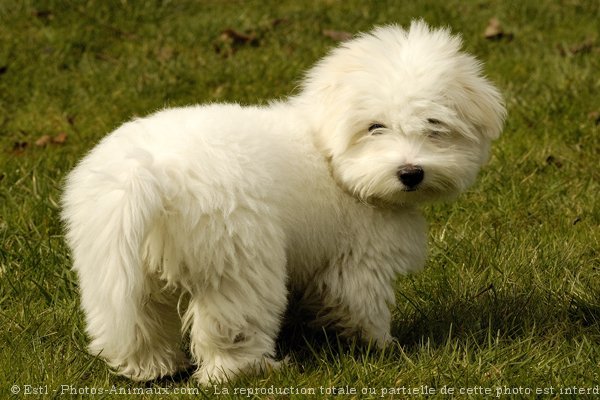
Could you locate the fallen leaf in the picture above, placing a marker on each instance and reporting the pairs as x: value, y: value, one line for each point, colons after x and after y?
x: 493, y: 29
x: 278, y: 21
x: 584, y: 47
x: 61, y: 138
x: 587, y: 46
x: 339, y: 36
x: 229, y: 40
x: 238, y: 38
x: 595, y: 116
x: 44, y: 14
x: 19, y: 146
x: 43, y: 140
x: 551, y: 160
x: 164, y: 53
x: 106, y: 57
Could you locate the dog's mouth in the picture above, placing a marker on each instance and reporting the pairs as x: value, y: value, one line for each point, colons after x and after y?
x: 410, y: 189
x: 420, y: 193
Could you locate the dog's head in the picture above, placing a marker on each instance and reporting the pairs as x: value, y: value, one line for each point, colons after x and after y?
x: 403, y: 116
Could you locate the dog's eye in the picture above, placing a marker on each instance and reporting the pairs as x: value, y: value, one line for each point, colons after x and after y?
x: 438, y: 129
x: 374, y: 127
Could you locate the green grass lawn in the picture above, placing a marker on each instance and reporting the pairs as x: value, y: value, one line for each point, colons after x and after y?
x: 510, y: 297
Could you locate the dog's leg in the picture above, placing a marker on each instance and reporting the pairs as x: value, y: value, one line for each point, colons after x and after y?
x: 355, y: 300
x: 141, y: 339
x: 131, y: 322
x: 156, y: 351
x: 233, y: 325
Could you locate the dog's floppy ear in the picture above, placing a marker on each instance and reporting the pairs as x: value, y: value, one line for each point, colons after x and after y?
x: 482, y: 105
x: 491, y: 111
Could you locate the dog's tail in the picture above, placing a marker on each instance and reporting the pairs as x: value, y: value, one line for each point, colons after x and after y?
x: 108, y: 209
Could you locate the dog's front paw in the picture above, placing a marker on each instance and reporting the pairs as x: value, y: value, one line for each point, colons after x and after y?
x: 153, y: 367
x: 381, y: 340
x: 386, y: 341
x: 211, y: 374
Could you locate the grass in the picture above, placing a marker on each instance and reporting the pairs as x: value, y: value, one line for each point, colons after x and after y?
x: 510, y: 297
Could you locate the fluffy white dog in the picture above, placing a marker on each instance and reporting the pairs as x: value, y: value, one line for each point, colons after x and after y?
x: 199, y: 220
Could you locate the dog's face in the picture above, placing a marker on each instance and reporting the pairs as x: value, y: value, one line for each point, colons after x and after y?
x: 404, y: 116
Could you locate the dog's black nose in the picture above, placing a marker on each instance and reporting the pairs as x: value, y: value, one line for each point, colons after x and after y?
x: 411, y: 175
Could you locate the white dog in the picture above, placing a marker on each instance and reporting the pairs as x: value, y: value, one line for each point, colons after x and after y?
x: 198, y: 220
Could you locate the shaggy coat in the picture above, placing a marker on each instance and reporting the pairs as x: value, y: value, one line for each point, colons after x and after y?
x: 198, y: 220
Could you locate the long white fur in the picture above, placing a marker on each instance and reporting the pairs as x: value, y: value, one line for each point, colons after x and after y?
x: 200, y: 219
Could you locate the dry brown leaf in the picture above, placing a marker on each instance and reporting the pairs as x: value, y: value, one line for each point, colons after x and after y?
x: 494, y: 29
x: 551, y: 160
x: 595, y: 116
x: 584, y: 47
x: 44, y: 14
x: 19, y: 146
x: 229, y: 40
x: 587, y: 46
x: 237, y: 38
x: 339, y: 36
x: 278, y: 21
x: 106, y: 57
x: 43, y: 140
x: 164, y: 53
x: 61, y: 138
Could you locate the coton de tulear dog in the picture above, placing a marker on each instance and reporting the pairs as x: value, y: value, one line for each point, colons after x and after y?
x: 199, y: 220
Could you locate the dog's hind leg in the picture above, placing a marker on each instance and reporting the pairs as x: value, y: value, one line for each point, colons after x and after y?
x: 131, y: 323
x: 234, y: 322
x: 158, y: 341
x: 139, y: 335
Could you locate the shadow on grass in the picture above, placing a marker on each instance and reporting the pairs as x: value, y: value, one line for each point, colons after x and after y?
x: 492, y: 313
x: 510, y: 316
